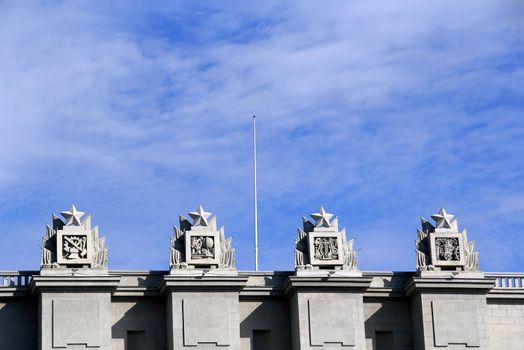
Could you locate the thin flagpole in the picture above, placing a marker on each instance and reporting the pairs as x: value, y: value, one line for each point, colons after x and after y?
x: 255, y: 189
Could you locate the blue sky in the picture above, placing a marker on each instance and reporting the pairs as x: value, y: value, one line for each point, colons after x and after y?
x: 381, y: 112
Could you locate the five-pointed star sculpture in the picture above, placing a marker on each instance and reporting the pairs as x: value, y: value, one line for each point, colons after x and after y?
x: 200, y: 216
x: 443, y: 219
x: 73, y: 216
x: 321, y: 218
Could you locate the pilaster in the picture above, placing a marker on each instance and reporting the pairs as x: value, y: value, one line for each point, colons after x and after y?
x: 327, y: 312
x: 449, y: 311
x: 74, y: 310
x: 203, y: 311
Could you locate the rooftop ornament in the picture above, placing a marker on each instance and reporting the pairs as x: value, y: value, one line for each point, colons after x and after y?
x: 321, y: 248
x: 71, y: 243
x: 441, y: 247
x: 200, y: 245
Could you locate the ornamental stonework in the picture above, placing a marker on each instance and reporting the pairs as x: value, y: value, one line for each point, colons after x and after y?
x: 321, y: 246
x: 326, y: 248
x: 448, y: 249
x: 442, y: 247
x: 200, y: 245
x: 71, y: 243
x: 74, y: 247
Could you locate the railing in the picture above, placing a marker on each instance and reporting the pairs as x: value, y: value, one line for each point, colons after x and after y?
x: 16, y: 278
x: 507, y: 280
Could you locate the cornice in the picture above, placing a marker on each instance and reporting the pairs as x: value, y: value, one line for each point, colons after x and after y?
x: 453, y: 285
x: 323, y: 284
x: 176, y: 283
x: 76, y: 283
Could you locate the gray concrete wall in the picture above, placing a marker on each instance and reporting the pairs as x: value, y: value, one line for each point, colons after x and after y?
x: 506, y: 324
x: 136, y: 315
x: 417, y: 322
x: 388, y: 316
x: 271, y: 314
x: 295, y: 322
x: 19, y: 323
x: 138, y: 309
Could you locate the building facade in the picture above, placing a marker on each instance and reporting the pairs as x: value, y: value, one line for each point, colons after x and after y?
x: 202, y: 302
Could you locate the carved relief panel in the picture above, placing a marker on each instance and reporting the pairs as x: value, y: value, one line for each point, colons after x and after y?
x: 201, y: 247
x: 73, y: 246
x: 447, y: 249
x: 325, y: 248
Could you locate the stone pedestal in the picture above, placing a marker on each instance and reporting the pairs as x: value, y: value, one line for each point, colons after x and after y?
x: 74, y: 311
x: 203, y: 311
x: 448, y: 311
x: 327, y: 313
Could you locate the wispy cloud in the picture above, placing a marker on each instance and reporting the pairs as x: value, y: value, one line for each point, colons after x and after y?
x: 380, y: 112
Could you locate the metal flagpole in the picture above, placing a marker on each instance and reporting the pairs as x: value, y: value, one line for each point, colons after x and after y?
x: 255, y: 189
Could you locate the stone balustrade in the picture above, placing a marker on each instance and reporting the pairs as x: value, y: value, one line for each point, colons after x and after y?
x: 507, y: 280
x: 16, y: 278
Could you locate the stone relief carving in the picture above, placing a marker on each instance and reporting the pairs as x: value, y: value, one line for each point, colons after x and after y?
x: 422, y: 247
x: 443, y: 246
x: 448, y: 249
x: 322, y: 244
x: 100, y: 255
x: 472, y: 257
x: 72, y: 242
x: 227, y: 255
x: 326, y: 248
x: 350, y: 255
x: 301, y: 246
x: 177, y: 246
x: 75, y: 247
x: 202, y: 247
x: 200, y: 244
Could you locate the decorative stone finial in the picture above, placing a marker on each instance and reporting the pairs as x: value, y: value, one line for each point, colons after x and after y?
x: 200, y: 216
x: 200, y: 245
x: 322, y: 218
x: 73, y: 243
x: 72, y: 216
x: 321, y: 246
x: 442, y: 247
x: 444, y: 220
